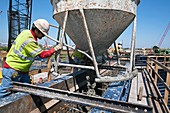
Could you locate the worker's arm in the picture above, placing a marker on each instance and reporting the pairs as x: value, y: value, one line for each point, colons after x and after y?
x: 33, y: 50
x: 46, y: 53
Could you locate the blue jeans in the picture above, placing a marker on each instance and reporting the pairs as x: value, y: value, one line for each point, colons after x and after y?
x: 10, y: 75
x: 77, y: 61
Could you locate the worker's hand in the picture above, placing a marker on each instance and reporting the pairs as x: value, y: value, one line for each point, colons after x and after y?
x: 58, y: 47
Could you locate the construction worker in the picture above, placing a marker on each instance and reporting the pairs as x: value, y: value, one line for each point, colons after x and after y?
x: 21, y: 55
x: 78, y: 58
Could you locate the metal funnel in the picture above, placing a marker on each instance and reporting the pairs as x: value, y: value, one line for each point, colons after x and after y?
x: 106, y: 20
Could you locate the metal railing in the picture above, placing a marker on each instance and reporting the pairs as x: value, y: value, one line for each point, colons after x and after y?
x: 154, y: 64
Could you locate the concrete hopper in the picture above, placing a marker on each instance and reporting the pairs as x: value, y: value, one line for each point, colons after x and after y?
x: 94, y: 25
x: 106, y: 20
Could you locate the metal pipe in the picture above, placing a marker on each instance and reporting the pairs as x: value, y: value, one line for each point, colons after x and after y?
x: 78, y: 66
x: 117, y: 54
x: 10, y: 25
x: 30, y: 14
x: 58, y: 37
x: 90, y: 43
x: 70, y: 47
x: 61, y: 38
x: 67, y: 44
x: 132, y: 55
x: 68, y: 53
x: 54, y: 26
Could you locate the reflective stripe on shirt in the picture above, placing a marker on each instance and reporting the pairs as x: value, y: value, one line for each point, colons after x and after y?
x: 22, y: 56
x: 18, y: 52
x: 25, y: 43
x: 35, y: 51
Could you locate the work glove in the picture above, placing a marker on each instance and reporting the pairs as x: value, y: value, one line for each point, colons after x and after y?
x: 58, y: 47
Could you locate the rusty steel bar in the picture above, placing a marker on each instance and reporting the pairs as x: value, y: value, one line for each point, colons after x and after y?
x: 90, y: 43
x: 79, y: 98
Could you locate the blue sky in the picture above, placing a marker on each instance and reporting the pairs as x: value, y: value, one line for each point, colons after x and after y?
x: 153, y: 17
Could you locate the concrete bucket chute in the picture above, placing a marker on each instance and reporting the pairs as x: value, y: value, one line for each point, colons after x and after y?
x: 93, y: 25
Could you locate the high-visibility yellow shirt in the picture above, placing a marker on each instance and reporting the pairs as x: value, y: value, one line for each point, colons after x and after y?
x: 78, y: 54
x: 23, y: 52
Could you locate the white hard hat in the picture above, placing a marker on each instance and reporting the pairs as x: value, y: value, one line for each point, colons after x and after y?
x: 42, y: 25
